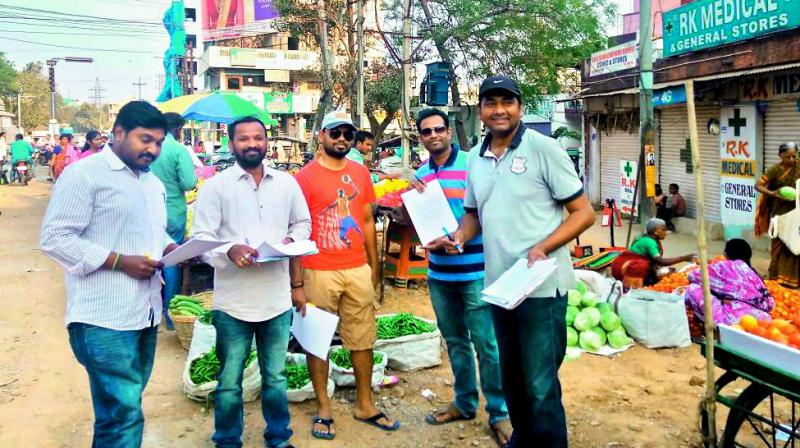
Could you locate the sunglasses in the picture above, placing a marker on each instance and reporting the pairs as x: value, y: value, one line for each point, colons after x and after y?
x: 427, y: 132
x: 349, y: 134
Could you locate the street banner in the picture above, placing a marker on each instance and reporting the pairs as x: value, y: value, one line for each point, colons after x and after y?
x: 650, y: 170
x: 614, y: 59
x: 711, y: 23
x: 737, y: 150
x: 627, y: 186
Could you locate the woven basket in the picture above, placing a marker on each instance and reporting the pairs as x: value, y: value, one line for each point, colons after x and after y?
x: 184, y: 325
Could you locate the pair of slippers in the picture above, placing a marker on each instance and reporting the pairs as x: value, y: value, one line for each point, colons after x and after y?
x: 372, y: 421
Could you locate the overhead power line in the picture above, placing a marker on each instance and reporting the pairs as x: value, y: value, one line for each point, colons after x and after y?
x: 80, y: 16
x: 79, y: 48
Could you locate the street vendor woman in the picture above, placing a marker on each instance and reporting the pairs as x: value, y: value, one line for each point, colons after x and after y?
x: 638, y: 265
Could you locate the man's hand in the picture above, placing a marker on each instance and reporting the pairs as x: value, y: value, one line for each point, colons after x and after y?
x: 536, y: 254
x: 299, y: 300
x: 440, y: 243
x: 138, y: 267
x: 417, y: 185
x: 376, y: 279
x: 691, y: 258
x: 170, y: 248
x: 451, y: 245
x: 242, y: 256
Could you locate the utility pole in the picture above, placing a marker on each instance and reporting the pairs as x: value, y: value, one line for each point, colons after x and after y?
x: 646, y: 126
x: 139, y: 85
x: 51, y: 68
x: 327, y: 87
x: 405, y: 141
x: 360, y: 70
x: 97, y: 91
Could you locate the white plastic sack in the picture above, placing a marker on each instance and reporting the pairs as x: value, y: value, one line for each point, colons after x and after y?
x: 346, y: 377
x: 251, y: 382
x: 595, y: 282
x: 307, y: 391
x: 654, y: 319
x: 413, y: 352
x: 787, y: 227
x: 204, y: 337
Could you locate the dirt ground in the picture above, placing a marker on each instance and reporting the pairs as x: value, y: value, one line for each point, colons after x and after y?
x: 641, y: 398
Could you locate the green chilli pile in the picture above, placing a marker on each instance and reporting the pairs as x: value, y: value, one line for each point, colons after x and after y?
x: 181, y: 305
x: 205, y: 318
x: 207, y: 367
x: 402, y: 324
x: 297, y: 376
x: 341, y: 358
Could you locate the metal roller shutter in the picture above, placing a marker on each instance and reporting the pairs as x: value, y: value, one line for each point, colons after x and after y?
x: 781, y: 125
x: 619, y: 145
x: 675, y: 157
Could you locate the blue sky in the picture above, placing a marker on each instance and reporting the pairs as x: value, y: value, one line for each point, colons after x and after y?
x: 117, y: 70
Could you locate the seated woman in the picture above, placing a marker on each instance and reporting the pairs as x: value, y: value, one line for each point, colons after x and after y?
x: 638, y: 266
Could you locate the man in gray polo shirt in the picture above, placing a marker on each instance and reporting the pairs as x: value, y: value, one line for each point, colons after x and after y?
x: 519, y: 183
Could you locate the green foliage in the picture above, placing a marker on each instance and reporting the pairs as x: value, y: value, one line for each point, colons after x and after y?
x: 8, y: 78
x: 83, y: 117
x: 564, y: 131
x: 383, y: 94
x: 36, y: 101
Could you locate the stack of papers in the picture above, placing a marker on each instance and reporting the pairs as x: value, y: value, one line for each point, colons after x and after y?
x: 430, y: 212
x: 272, y: 252
x: 190, y: 249
x: 315, y: 331
x: 518, y: 282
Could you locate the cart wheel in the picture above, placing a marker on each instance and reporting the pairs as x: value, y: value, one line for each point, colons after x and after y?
x: 742, y: 412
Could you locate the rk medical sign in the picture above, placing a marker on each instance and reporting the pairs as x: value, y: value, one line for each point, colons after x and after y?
x: 737, y: 153
x: 614, y: 59
x: 710, y: 23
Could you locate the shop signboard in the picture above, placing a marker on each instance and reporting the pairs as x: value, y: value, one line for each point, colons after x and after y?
x: 627, y: 186
x: 669, y: 96
x: 614, y: 59
x: 278, y: 102
x: 711, y: 23
x: 737, y: 153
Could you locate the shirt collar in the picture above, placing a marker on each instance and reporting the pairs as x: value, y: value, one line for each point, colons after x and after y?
x: 487, y: 141
x: 448, y: 163
x: 113, y: 161
x: 242, y: 174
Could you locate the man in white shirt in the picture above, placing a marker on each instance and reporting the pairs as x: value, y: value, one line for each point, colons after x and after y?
x: 247, y: 204
x: 105, y: 223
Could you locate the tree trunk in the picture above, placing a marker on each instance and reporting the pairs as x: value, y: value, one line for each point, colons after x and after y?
x: 327, y: 81
x: 444, y: 54
x: 378, y: 128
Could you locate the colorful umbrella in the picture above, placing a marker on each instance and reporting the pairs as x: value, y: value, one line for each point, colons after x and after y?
x: 215, y: 107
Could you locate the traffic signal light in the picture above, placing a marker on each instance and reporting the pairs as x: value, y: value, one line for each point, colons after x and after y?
x: 52, y: 79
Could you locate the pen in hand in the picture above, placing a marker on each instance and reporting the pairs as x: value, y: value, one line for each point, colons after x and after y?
x: 450, y: 237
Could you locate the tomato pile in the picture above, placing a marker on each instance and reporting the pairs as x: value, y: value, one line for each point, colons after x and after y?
x: 782, y: 331
x: 670, y: 282
x: 787, y: 301
x: 392, y: 199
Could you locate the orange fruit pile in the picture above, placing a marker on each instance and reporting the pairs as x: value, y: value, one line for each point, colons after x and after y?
x: 787, y: 301
x: 670, y: 282
x: 782, y: 331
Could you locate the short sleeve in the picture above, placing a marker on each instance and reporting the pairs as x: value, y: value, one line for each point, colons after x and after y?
x: 470, y: 201
x: 560, y: 175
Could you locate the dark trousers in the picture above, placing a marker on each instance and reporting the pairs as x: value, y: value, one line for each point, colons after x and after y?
x: 665, y: 213
x: 119, y: 364
x: 532, y: 340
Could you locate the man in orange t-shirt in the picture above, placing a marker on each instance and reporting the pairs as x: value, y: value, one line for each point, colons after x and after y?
x: 342, y: 278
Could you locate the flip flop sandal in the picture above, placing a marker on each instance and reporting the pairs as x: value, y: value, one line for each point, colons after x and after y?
x: 450, y: 411
x: 322, y: 421
x: 495, y: 428
x: 373, y: 421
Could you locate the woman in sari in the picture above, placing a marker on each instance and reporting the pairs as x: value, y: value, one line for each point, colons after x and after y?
x: 59, y: 160
x: 638, y: 266
x: 784, y: 266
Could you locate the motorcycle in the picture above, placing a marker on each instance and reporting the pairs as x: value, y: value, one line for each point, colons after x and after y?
x: 22, y: 172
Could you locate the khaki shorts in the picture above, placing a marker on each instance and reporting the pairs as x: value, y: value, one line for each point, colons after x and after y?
x: 349, y: 294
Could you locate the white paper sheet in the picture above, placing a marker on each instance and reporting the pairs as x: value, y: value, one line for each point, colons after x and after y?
x: 315, y: 331
x: 190, y: 249
x: 517, y: 282
x: 430, y: 212
x: 271, y: 252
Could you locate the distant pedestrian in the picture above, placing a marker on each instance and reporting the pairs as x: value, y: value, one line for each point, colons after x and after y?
x: 175, y: 169
x: 59, y: 160
x: 93, y: 145
x: 105, y: 224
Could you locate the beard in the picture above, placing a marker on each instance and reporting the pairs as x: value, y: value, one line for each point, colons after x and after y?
x: 250, y: 157
x: 336, y: 154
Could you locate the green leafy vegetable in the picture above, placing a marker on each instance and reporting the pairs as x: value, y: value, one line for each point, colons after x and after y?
x: 586, y: 319
x: 589, y: 299
x: 618, y: 338
x: 572, y: 337
x: 591, y: 340
x: 572, y: 311
x: 297, y: 376
x: 581, y: 287
x: 605, y: 307
x: 574, y: 297
x: 610, y: 321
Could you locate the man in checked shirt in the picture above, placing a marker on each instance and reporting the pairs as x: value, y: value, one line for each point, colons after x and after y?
x: 106, y: 217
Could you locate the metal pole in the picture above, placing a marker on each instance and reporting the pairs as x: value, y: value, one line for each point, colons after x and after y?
x: 646, y: 127
x: 360, y: 69
x: 19, y: 110
x: 710, y: 394
x: 405, y: 141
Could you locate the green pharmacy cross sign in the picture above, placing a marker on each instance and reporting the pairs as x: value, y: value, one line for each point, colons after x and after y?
x: 711, y: 23
x: 628, y: 169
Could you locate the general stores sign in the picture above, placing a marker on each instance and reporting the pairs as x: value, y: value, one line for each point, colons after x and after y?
x: 710, y: 23
x: 737, y: 151
x: 614, y: 59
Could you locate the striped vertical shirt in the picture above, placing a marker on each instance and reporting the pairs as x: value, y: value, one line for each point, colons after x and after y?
x: 453, y: 178
x: 99, y: 206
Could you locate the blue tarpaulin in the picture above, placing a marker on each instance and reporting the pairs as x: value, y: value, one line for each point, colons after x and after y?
x: 174, y: 18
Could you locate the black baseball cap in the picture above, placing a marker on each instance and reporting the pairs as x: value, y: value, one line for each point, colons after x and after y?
x: 502, y: 83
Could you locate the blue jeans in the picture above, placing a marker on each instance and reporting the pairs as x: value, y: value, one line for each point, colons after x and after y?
x: 172, y: 277
x: 466, y: 322
x: 119, y: 364
x: 532, y: 341
x: 234, y: 342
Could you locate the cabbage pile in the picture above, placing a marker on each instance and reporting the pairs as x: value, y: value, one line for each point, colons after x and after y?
x: 590, y: 323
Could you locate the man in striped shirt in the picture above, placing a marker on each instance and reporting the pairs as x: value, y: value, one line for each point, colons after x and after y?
x: 455, y: 283
x: 107, y: 217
